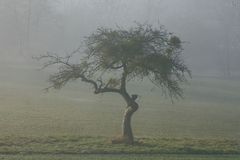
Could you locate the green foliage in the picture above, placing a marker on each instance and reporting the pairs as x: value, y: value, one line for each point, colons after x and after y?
x: 112, y: 57
x: 143, y: 51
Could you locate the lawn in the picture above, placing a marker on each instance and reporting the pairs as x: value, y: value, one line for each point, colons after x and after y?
x: 119, y: 157
x: 210, y: 110
x: 75, y: 121
x: 97, y: 145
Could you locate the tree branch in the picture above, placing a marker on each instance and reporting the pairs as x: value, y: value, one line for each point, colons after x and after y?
x: 54, y: 59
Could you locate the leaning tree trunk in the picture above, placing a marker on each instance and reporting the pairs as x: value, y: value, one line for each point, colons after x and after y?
x: 127, y: 133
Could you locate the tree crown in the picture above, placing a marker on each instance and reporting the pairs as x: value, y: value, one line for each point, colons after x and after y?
x: 113, y: 57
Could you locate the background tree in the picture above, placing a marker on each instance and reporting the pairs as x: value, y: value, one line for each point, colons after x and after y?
x: 113, y: 57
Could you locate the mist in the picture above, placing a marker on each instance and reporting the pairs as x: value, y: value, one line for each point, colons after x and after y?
x: 196, y: 119
x: 210, y: 29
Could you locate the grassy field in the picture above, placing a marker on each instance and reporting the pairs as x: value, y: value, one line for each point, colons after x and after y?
x: 98, y: 145
x: 74, y: 120
x: 210, y: 110
x: 119, y: 157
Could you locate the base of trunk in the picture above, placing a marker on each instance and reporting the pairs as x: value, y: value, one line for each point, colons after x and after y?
x: 122, y: 140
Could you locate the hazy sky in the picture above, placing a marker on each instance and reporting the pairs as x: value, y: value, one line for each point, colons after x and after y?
x: 210, y: 28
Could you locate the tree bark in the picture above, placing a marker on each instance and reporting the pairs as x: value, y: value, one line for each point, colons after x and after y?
x: 127, y: 133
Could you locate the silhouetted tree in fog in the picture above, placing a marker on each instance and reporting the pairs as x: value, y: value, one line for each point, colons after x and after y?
x: 113, y: 57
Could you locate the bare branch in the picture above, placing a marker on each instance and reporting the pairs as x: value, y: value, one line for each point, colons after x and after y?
x: 141, y: 51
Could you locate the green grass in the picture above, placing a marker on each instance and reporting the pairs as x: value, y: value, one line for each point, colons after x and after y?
x: 74, y: 120
x: 96, y: 145
x: 210, y: 110
x: 119, y: 157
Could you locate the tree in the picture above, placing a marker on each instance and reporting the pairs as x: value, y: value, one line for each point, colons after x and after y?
x: 113, y: 57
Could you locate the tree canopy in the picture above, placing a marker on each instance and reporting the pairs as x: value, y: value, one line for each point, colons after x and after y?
x: 113, y: 57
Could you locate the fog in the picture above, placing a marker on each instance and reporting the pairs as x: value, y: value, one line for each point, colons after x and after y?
x: 210, y: 29
x: 76, y: 118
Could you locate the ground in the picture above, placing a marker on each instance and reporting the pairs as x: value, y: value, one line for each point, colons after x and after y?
x: 120, y: 157
x: 75, y: 121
